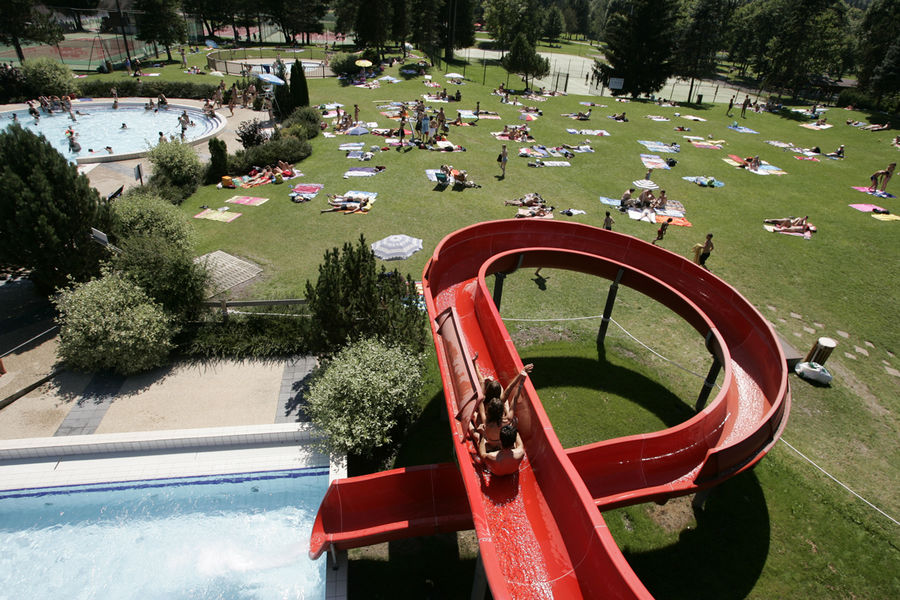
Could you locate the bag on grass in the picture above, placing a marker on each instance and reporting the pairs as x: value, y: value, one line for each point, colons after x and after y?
x: 499, y: 158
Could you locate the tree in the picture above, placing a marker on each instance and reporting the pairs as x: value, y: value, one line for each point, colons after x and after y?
x: 699, y: 37
x: 209, y: 12
x: 176, y: 169
x: 77, y: 7
x: 373, y: 24
x: 885, y: 78
x: 640, y: 37
x: 46, y: 76
x: 46, y: 212
x: 160, y: 22
x: 400, y: 29
x: 23, y: 22
x: 111, y: 324
x: 507, y: 18
x: 365, y: 396
x: 351, y: 299
x: 524, y: 60
x: 299, y: 88
x: 878, y: 32
x: 554, y: 21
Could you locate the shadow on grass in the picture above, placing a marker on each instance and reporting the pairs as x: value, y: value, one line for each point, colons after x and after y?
x: 722, y: 557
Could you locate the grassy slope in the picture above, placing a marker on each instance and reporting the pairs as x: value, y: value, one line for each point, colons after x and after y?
x: 803, y: 535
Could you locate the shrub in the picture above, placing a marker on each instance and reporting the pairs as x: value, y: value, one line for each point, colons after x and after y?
x: 111, y: 324
x: 176, y: 170
x: 145, y: 87
x: 352, y: 300
x: 307, y: 116
x: 250, y: 133
x: 46, y: 212
x: 47, y: 77
x: 143, y: 212
x: 165, y: 271
x: 365, y: 396
x: 288, y: 148
x: 12, y: 86
x: 218, y: 161
x: 246, y: 336
x: 344, y: 65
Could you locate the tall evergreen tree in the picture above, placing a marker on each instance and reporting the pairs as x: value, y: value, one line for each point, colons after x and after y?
x: 299, y: 88
x: 640, y: 36
x: 160, y: 22
x: 524, y: 60
x: 699, y: 37
x: 877, y: 33
x: 46, y: 212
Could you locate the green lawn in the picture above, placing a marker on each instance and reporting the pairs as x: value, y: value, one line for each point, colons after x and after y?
x: 781, y: 531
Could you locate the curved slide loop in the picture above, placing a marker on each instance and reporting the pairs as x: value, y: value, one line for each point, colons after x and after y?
x: 540, y: 533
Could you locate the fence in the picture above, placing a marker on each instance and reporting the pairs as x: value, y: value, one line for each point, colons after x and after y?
x: 224, y: 305
x: 244, y: 61
x: 83, y: 53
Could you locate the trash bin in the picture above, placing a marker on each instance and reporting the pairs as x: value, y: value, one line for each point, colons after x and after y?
x: 821, y: 350
x: 699, y: 98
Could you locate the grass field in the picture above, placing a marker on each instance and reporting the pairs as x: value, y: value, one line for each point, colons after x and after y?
x: 784, y: 530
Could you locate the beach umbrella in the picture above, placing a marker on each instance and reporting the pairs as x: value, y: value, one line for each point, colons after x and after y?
x: 363, y: 63
x: 396, y: 247
x: 644, y: 184
x: 273, y: 79
x: 453, y: 76
x: 358, y: 130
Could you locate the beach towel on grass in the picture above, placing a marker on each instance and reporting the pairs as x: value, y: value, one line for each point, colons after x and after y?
x: 532, y: 152
x: 360, y: 172
x: 247, y: 200
x: 741, y: 129
x: 657, y: 118
x: 773, y: 229
x: 637, y: 215
x: 804, y: 157
x: 784, y: 145
x: 526, y: 213
x: 679, y: 221
x: 692, y: 118
x: 610, y: 201
x: 667, y: 212
x: 555, y: 163
x: 307, y: 191
x: 815, y: 127
x: 352, y: 146
x: 215, y: 215
x: 357, y: 154
x: 652, y: 161
x: 704, y: 181
x: 706, y: 145
x: 865, y: 207
x: 658, y: 146
x: 597, y: 132
x: 866, y: 190
x: 886, y: 217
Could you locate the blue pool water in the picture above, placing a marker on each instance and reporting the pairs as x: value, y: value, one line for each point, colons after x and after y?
x: 100, y: 125
x: 222, y: 537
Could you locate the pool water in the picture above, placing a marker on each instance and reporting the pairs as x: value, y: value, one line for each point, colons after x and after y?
x: 99, y: 125
x: 236, y: 536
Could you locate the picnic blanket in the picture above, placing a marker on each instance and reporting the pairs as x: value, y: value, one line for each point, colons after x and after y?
x: 361, y: 172
x: 706, y: 145
x: 704, y: 181
x: 659, y: 146
x: 866, y: 207
x: 247, y: 200
x: 217, y: 215
x: 886, y: 217
x: 680, y: 221
x: 866, y: 190
x: 815, y: 127
x: 741, y: 129
x: 652, y: 161
x: 597, y: 132
x: 305, y: 191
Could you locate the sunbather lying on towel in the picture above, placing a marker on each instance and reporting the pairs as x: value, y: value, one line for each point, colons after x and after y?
x: 877, y: 127
x: 788, y: 222
x: 340, y: 203
x: 458, y: 176
x: 531, y: 199
x: 535, y: 211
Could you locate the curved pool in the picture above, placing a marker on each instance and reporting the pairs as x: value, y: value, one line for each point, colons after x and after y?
x: 99, y: 125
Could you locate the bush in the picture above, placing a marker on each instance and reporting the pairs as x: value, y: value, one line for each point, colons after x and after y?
x: 250, y: 133
x: 307, y: 116
x: 143, y: 212
x: 288, y: 148
x: 165, y: 271
x: 365, y: 396
x: 111, y: 324
x: 47, y: 77
x: 147, y: 87
x: 218, y: 161
x: 248, y: 336
x: 176, y: 170
x: 344, y: 65
x: 352, y: 300
x: 12, y: 86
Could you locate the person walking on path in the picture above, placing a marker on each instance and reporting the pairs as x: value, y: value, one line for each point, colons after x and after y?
x: 661, y: 232
x: 744, y: 106
x: 502, y: 159
x: 730, y: 107
x: 608, y: 222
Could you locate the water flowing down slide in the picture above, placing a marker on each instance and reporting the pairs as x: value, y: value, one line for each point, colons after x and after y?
x: 540, y: 532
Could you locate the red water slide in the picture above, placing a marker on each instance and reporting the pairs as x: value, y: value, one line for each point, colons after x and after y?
x: 540, y: 533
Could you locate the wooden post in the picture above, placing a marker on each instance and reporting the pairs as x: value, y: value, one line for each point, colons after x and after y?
x: 607, y: 310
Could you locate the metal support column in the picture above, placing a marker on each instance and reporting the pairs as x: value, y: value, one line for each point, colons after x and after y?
x: 607, y: 310
x: 498, y: 288
x: 711, y: 377
x: 479, y: 583
x: 699, y: 500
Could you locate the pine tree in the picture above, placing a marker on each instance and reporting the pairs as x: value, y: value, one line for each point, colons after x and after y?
x: 299, y: 88
x: 46, y: 212
x: 524, y: 60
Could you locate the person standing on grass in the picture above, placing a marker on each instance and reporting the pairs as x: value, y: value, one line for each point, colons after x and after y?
x: 886, y: 175
x: 730, y: 106
x: 744, y: 107
x: 608, y: 222
x: 661, y: 232
x: 705, y: 250
x: 503, y: 159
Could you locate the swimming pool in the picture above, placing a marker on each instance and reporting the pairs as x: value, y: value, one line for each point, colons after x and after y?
x: 225, y: 536
x: 98, y: 125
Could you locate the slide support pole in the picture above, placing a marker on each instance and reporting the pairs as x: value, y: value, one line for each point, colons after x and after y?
x: 607, y: 310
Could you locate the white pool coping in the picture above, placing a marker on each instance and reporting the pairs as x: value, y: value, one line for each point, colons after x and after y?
x: 116, y: 457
